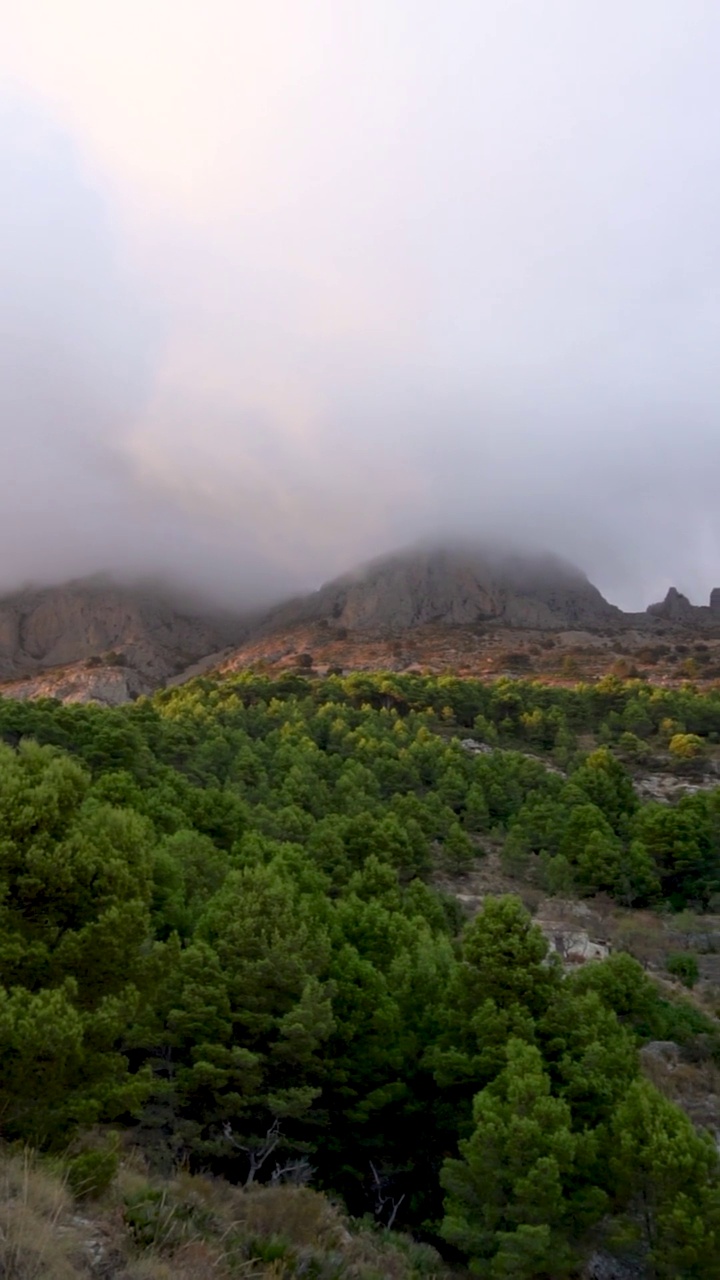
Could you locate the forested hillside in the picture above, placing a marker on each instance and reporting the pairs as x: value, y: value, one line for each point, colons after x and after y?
x: 220, y: 940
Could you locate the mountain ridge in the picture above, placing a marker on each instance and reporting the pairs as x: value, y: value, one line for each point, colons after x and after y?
x: 97, y: 639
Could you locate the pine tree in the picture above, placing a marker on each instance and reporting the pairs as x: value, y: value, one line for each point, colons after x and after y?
x: 508, y: 1205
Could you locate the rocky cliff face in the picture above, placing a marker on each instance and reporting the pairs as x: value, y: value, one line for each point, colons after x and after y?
x: 455, y: 587
x: 109, y: 627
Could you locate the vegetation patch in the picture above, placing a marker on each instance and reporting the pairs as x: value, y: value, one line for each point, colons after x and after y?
x: 231, y: 1000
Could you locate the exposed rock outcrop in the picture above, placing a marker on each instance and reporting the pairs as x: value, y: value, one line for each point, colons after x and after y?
x: 674, y: 608
x: 107, y: 685
x: 110, y: 626
x: 456, y: 587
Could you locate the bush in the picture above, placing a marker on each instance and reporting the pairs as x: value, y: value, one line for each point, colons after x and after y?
x: 652, y: 653
x: 686, y: 746
x: 91, y: 1172
x: 160, y: 1218
x: 115, y: 659
x: 512, y: 660
x: 624, y: 669
x: 684, y: 965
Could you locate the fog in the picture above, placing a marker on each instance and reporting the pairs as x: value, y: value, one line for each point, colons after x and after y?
x: 284, y: 285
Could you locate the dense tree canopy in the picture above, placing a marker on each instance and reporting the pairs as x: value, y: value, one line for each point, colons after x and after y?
x: 217, y: 925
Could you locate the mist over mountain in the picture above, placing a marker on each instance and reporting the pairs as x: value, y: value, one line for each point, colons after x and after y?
x: 459, y: 605
x: 128, y: 640
x: 454, y: 585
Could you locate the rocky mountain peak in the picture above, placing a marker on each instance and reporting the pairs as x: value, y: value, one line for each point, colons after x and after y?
x: 456, y: 586
x: 674, y: 608
x: 678, y: 610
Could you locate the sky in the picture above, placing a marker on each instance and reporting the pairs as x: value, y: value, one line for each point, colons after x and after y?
x: 285, y: 284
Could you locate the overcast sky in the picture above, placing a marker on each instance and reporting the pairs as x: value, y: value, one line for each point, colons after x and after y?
x: 286, y: 283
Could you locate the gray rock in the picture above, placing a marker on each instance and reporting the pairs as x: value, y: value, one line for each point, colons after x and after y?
x: 674, y: 608
x: 89, y: 619
x: 602, y: 1266
x: 454, y: 586
x: 666, y: 1051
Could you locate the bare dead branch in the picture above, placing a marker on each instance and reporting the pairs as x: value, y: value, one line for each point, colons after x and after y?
x: 257, y: 1155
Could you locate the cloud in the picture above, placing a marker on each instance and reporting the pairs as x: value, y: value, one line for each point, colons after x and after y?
x: 291, y: 284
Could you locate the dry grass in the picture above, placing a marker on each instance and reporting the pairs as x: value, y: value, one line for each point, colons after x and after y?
x: 37, y: 1240
x: 188, y: 1228
x: 273, y: 1233
x: 297, y: 1214
x: 195, y: 1261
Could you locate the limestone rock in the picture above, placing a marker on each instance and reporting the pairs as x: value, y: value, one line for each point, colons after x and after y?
x: 455, y: 586
x: 603, y: 1266
x: 108, y: 686
x: 674, y: 608
x: 110, y: 625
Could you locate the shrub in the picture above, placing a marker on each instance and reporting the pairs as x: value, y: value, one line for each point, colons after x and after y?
x: 512, y: 660
x: 297, y: 1215
x: 652, y: 653
x: 686, y: 746
x: 159, y: 1220
x: 91, y: 1171
x: 624, y: 669
x: 684, y: 965
x: 115, y: 659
